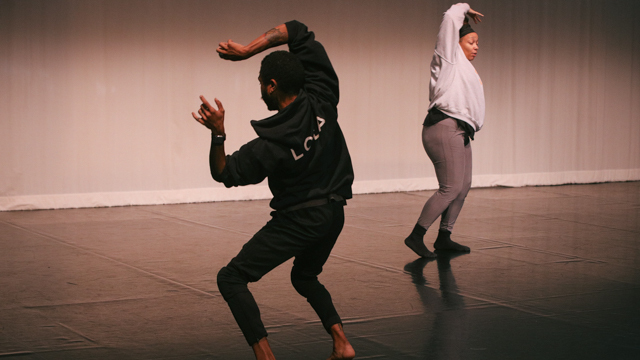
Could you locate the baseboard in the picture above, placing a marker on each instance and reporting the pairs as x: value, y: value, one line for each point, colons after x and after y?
x: 509, y: 180
x: 64, y: 201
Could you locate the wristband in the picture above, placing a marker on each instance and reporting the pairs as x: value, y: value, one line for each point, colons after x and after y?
x: 218, y: 139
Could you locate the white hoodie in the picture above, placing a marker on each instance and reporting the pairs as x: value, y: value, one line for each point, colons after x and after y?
x: 455, y: 87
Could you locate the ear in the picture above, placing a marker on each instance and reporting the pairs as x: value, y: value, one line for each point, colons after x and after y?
x: 272, y: 85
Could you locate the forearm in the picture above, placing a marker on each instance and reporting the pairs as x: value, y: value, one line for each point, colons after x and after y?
x: 217, y: 160
x: 458, y: 10
x: 233, y: 51
x: 272, y: 38
x: 448, y: 35
x: 213, y: 119
x: 453, y: 19
x: 243, y: 167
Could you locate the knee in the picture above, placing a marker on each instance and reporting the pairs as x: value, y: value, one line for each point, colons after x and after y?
x: 296, y: 280
x: 465, y: 191
x: 222, y: 279
x: 301, y: 282
x: 451, y: 191
x: 228, y: 279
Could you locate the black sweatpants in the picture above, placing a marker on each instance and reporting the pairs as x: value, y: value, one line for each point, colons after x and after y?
x: 307, y: 234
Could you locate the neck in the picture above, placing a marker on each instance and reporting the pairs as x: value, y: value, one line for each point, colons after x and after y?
x: 285, y: 101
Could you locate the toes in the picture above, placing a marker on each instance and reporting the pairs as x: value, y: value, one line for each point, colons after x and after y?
x: 451, y: 246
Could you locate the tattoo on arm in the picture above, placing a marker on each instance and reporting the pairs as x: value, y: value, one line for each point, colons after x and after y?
x: 275, y: 36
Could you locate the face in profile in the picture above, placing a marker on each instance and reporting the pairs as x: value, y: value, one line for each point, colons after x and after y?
x: 469, y: 45
x: 269, y: 99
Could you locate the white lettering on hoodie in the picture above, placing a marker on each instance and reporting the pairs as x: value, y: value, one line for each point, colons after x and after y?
x: 306, y: 144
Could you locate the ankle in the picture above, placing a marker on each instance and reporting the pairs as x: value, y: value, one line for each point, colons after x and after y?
x: 418, y: 231
x: 337, y: 332
x: 342, y: 349
x: 417, y: 234
x: 443, y: 235
x: 262, y: 350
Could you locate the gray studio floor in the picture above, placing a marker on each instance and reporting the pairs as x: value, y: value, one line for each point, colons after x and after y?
x: 554, y: 273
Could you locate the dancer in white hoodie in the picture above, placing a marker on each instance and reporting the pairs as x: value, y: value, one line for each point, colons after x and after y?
x: 456, y: 112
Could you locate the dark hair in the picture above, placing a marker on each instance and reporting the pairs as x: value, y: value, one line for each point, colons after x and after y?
x: 286, y: 69
x: 466, y: 28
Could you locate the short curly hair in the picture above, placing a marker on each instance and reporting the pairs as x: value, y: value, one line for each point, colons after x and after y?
x: 286, y: 69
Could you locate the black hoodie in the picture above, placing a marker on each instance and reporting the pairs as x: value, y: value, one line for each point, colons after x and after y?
x: 301, y: 149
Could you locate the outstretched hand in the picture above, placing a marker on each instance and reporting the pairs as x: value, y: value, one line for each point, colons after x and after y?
x: 476, y: 16
x: 233, y: 51
x: 211, y: 117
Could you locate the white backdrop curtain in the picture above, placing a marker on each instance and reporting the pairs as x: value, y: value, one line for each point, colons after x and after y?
x: 96, y: 95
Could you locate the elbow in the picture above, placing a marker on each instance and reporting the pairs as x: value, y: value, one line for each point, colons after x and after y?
x: 224, y: 177
x: 457, y: 10
x: 217, y: 176
x: 217, y: 172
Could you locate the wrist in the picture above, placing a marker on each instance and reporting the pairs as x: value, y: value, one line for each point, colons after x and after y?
x: 218, y: 139
x: 251, y: 49
x: 217, y: 130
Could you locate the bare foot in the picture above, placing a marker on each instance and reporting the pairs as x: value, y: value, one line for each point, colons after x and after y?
x: 342, y: 349
x: 262, y: 350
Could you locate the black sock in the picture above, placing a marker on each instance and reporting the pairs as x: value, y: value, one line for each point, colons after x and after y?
x: 444, y: 242
x: 418, y: 231
x: 416, y: 243
x: 443, y: 235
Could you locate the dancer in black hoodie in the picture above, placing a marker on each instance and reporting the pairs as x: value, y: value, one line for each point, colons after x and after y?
x: 302, y: 152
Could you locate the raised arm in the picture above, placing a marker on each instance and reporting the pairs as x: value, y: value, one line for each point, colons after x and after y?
x: 449, y: 36
x: 213, y: 119
x: 319, y: 74
x: 233, y: 51
x: 320, y: 77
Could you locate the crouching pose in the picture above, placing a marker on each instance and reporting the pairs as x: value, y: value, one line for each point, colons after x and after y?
x: 303, y: 153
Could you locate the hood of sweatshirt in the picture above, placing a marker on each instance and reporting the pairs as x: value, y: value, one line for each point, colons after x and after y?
x: 291, y: 125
